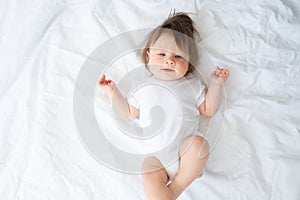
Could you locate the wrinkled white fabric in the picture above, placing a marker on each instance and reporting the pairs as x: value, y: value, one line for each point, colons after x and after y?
x: 43, y: 45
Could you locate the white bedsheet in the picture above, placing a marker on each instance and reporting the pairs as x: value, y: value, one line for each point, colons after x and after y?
x: 43, y: 45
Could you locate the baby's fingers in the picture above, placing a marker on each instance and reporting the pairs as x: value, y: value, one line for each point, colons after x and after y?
x: 225, y: 72
x: 222, y: 71
x: 102, y: 79
x: 217, y: 71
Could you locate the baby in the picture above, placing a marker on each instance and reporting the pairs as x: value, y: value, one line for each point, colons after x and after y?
x: 171, y: 56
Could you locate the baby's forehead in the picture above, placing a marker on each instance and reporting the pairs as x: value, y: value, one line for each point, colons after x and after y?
x: 166, y: 42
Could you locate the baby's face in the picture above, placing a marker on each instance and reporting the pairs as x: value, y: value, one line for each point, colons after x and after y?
x: 165, y: 60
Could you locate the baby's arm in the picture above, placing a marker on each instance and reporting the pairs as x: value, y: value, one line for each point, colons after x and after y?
x: 119, y: 103
x: 214, y: 92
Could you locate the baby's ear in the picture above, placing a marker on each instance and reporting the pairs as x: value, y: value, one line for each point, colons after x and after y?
x: 147, y: 56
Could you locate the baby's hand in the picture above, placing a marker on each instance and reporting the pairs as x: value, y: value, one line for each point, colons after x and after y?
x: 107, y: 86
x: 219, y: 76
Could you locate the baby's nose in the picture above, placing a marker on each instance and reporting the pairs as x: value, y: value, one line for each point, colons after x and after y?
x: 169, y: 61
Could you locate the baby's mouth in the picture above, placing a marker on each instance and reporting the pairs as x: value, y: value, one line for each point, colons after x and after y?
x: 168, y: 70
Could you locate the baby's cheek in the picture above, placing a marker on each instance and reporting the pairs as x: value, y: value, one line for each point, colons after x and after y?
x: 182, y: 72
x: 183, y: 69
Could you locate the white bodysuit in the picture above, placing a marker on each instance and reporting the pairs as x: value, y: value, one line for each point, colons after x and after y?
x: 168, y: 113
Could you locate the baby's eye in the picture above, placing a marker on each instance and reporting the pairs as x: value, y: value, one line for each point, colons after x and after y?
x: 178, y: 56
x: 162, y: 54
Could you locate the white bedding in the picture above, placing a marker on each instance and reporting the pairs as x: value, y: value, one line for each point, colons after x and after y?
x: 43, y: 45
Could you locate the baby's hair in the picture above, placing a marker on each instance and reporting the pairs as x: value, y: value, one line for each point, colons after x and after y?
x: 183, y: 30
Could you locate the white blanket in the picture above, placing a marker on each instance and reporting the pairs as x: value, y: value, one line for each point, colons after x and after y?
x: 43, y: 45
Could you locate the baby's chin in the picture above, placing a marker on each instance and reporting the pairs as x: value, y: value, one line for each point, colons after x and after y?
x: 167, y: 77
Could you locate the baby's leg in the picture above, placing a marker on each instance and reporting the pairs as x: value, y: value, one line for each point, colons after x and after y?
x: 193, y: 156
x: 155, y: 179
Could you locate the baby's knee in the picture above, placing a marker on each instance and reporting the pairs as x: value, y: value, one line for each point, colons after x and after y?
x: 151, y: 164
x: 197, y: 145
x: 153, y: 171
x: 202, y: 145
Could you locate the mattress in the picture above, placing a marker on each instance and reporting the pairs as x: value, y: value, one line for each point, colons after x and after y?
x: 254, y: 136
